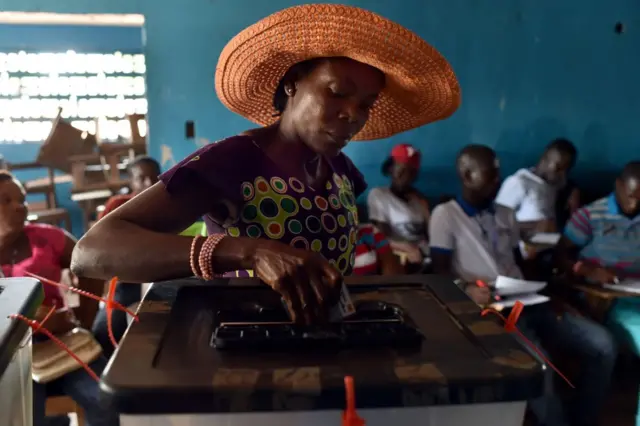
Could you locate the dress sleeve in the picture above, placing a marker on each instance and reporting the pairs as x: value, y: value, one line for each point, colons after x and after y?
x: 212, y: 170
x: 357, y: 178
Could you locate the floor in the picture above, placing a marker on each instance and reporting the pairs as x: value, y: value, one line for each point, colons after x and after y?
x: 620, y: 408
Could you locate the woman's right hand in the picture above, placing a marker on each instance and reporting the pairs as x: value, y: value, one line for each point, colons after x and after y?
x: 309, y: 284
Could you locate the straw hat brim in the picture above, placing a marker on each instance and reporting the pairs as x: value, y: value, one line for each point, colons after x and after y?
x: 420, y: 86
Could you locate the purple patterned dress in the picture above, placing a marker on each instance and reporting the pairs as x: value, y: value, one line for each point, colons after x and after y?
x: 259, y: 200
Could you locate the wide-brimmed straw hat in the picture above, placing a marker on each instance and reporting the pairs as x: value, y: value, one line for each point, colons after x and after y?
x: 420, y: 84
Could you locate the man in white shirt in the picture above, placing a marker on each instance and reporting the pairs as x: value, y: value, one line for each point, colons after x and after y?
x: 473, y: 238
x: 532, y: 193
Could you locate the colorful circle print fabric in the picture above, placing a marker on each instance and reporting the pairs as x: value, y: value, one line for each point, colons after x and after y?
x: 252, y: 197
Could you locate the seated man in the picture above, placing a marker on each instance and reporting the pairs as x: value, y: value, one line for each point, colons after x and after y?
x: 473, y: 238
x: 532, y: 193
x: 605, y: 236
x: 144, y: 172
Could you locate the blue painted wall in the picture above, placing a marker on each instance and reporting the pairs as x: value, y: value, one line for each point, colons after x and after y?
x: 82, y: 39
x: 529, y: 70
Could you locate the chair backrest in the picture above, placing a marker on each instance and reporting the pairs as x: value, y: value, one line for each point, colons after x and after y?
x: 63, y: 142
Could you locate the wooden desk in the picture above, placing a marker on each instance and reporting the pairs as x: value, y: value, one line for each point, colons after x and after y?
x: 599, y: 299
x: 88, y: 202
x: 601, y: 292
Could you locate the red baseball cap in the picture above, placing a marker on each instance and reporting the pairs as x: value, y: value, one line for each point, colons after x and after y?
x: 406, y: 154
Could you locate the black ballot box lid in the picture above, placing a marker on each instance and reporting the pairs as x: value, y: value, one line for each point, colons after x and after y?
x: 167, y: 364
x: 17, y: 296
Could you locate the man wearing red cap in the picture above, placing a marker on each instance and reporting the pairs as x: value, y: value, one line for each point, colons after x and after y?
x: 400, y: 211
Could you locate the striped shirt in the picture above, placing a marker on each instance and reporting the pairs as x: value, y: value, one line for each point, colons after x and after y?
x: 606, y: 236
x: 371, y: 244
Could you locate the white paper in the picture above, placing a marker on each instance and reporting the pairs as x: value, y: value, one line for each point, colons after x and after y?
x: 526, y: 300
x: 627, y: 286
x: 72, y: 299
x: 507, y: 286
x: 550, y: 238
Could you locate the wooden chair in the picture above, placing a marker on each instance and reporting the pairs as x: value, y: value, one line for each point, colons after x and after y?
x: 63, y: 142
x: 52, y: 217
x: 138, y: 141
x: 62, y: 405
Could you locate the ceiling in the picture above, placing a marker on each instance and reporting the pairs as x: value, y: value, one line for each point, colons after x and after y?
x: 37, y: 18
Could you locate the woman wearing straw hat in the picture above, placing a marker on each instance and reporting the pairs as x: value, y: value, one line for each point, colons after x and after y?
x: 279, y: 200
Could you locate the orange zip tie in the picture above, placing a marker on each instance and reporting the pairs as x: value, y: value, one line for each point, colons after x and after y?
x: 110, y: 304
x: 510, y: 327
x: 350, y: 417
x: 38, y: 327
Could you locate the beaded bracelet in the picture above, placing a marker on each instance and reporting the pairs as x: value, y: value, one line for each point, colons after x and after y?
x: 205, y: 258
x: 195, y: 256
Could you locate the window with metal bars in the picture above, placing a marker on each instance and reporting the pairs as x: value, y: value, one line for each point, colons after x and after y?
x: 91, y: 88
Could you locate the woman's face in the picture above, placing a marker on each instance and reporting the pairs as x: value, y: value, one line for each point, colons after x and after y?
x: 328, y: 106
x: 403, y: 176
x: 13, y: 207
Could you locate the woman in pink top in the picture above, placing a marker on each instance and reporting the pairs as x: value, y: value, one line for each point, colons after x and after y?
x: 46, y: 250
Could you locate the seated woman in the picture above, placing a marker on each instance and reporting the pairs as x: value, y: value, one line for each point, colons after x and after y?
x: 46, y: 250
x: 279, y: 200
x: 400, y: 211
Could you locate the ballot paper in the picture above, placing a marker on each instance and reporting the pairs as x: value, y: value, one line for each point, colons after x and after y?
x: 341, y: 310
x: 526, y: 299
x: 546, y: 238
x: 507, y: 286
x: 627, y: 286
x: 344, y: 307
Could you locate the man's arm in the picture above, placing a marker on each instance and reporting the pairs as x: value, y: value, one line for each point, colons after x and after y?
x: 577, y: 234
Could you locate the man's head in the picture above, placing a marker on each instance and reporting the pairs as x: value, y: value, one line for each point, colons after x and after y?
x: 628, y: 189
x: 144, y: 172
x: 479, y: 172
x: 557, y: 160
